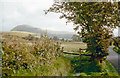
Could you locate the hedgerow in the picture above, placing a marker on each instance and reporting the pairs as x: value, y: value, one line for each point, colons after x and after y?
x: 19, y: 55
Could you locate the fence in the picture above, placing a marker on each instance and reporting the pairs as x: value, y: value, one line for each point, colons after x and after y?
x: 80, y: 53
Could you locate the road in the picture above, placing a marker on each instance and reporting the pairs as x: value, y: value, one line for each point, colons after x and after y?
x: 114, y: 59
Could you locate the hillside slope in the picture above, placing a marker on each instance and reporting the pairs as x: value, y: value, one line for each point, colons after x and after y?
x: 59, y: 34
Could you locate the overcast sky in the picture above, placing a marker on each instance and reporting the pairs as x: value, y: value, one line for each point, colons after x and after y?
x: 18, y: 12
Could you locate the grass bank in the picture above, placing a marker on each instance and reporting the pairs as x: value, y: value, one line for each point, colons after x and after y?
x: 87, y: 68
x: 110, y: 69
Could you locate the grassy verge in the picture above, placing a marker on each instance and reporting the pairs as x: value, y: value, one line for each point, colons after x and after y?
x: 86, y: 68
x: 61, y: 66
x: 110, y: 69
x: 116, y: 50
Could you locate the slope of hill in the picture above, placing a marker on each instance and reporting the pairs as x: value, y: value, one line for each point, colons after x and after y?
x: 27, y: 28
x: 59, y: 34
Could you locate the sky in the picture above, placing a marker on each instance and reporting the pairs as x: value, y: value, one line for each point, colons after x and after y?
x: 31, y: 12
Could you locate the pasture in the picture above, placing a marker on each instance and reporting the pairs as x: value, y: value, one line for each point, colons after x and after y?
x: 73, y: 46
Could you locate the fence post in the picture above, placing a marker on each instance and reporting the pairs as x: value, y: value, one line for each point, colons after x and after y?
x: 62, y: 49
x: 80, y: 54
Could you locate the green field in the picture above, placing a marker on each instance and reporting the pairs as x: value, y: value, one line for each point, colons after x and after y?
x: 73, y: 46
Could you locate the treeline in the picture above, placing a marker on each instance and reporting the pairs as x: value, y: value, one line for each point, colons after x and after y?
x: 74, y: 38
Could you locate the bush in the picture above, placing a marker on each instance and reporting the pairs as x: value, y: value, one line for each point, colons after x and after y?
x: 85, y: 66
x: 116, y: 50
x: 20, y: 55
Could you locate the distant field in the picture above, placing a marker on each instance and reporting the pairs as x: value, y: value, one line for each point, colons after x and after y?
x: 17, y: 33
x: 68, y: 46
x: 73, y: 46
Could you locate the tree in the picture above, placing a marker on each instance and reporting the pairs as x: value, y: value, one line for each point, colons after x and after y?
x: 55, y: 38
x: 63, y: 39
x: 94, y: 20
x: 76, y: 38
x: 117, y: 42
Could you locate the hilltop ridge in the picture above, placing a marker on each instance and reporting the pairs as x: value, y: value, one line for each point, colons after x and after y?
x: 28, y: 28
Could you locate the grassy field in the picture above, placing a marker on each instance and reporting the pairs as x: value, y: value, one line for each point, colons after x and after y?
x: 73, y: 46
x: 17, y: 33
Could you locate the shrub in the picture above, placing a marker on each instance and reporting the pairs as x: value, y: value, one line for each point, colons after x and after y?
x: 23, y: 55
x: 116, y: 50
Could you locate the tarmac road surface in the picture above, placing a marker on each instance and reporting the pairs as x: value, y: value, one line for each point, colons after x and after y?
x: 114, y: 59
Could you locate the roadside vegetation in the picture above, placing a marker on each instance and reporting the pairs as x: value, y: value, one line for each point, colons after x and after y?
x: 116, y: 41
x: 88, y: 67
x: 110, y: 69
x: 116, y: 50
x: 28, y: 57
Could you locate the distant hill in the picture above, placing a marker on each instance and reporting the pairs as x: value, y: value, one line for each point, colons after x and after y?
x: 59, y: 34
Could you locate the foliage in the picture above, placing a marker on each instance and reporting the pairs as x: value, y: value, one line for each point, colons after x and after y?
x: 20, y: 55
x: 95, y: 19
x: 76, y: 38
x: 55, y: 38
x: 60, y: 66
x: 111, y: 42
x: 91, y: 68
x: 116, y: 50
x: 85, y: 66
x: 117, y: 42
